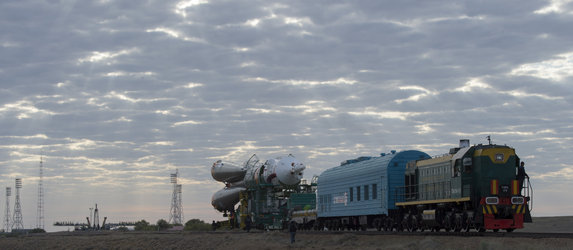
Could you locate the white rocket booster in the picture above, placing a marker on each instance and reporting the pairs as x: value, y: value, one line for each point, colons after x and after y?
x: 280, y: 171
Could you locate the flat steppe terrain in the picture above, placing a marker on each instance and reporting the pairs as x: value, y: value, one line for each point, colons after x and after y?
x: 229, y: 240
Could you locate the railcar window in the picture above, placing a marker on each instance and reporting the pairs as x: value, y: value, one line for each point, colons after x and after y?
x: 374, y: 192
x: 358, y: 193
x: 351, y: 192
x: 329, y: 197
x: 366, y: 193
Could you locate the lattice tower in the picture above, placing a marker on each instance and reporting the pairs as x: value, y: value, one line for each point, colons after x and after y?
x: 17, y: 222
x: 176, y: 213
x: 40, y: 210
x: 7, y: 225
x: 179, y: 205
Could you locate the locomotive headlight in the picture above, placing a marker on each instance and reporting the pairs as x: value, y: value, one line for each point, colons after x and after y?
x: 517, y: 200
x: 491, y: 200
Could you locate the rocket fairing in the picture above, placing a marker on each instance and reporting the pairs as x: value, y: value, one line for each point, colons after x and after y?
x: 280, y: 171
x: 226, y: 198
x: 227, y: 172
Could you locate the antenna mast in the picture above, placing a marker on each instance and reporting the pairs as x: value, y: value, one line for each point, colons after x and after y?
x: 7, y: 225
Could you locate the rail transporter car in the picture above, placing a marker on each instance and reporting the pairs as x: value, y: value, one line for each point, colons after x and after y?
x: 469, y: 187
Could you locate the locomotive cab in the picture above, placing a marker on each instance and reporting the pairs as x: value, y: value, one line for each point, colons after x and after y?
x: 470, y: 187
x: 497, y: 195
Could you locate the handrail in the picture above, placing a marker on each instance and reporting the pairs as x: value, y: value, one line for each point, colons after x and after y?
x: 529, y: 194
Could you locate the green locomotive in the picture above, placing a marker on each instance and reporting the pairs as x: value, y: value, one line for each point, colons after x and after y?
x: 470, y: 187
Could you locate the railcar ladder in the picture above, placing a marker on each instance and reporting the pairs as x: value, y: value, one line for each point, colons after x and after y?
x: 528, y: 194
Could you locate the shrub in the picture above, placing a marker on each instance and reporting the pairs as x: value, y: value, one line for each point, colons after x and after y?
x: 162, y: 224
x: 197, y: 225
x: 143, y: 225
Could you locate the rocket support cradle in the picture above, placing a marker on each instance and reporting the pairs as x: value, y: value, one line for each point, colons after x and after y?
x: 280, y: 171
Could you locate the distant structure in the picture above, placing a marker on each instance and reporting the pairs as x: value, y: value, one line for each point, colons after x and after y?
x: 40, y: 211
x: 17, y: 222
x: 96, y: 218
x: 7, y: 225
x: 176, y: 212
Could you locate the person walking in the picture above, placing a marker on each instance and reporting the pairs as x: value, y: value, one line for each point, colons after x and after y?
x: 521, y: 174
x: 248, y: 223
x: 292, y: 231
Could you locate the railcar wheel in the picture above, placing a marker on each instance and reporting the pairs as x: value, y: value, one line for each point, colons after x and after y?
x: 466, y: 227
x: 387, y: 224
x: 407, y: 223
x: 496, y: 230
x: 466, y: 223
x: 377, y: 224
x: 447, y: 223
x: 404, y: 224
x: 509, y: 230
x: 457, y: 223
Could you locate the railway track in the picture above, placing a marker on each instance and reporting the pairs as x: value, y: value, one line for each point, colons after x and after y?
x: 531, y: 235
x: 457, y: 234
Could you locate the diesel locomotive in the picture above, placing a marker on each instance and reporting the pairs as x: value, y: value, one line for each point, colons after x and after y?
x: 468, y: 187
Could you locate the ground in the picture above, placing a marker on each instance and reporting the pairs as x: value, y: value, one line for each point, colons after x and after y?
x: 280, y: 240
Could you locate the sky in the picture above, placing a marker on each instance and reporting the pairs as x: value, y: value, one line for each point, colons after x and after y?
x: 117, y: 95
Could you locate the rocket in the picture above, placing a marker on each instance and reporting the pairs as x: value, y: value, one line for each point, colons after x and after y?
x: 281, y: 171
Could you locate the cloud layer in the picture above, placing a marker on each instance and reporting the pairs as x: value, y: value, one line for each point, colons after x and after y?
x: 118, y: 94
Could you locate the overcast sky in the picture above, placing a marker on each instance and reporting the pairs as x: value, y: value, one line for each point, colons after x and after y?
x: 119, y: 94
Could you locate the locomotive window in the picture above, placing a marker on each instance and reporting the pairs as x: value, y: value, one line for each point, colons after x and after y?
x: 467, y: 165
x: 351, y: 192
x: 374, y: 192
x: 358, y: 193
x: 366, y: 193
x: 457, y: 168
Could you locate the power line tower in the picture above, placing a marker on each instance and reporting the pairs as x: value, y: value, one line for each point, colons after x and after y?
x: 7, y: 225
x: 179, y: 205
x: 17, y: 222
x: 40, y: 211
x: 176, y: 212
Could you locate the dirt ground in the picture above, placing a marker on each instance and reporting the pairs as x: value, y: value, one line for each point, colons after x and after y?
x: 280, y: 240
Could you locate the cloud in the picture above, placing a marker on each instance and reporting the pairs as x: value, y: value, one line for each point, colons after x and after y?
x: 118, y: 94
x: 556, y: 69
x: 97, y: 56
x: 339, y: 81
x: 555, y: 6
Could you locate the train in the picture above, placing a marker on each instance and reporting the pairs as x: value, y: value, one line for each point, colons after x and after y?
x: 470, y: 187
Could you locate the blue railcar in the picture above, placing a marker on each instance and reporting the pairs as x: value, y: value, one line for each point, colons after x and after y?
x: 360, y: 192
